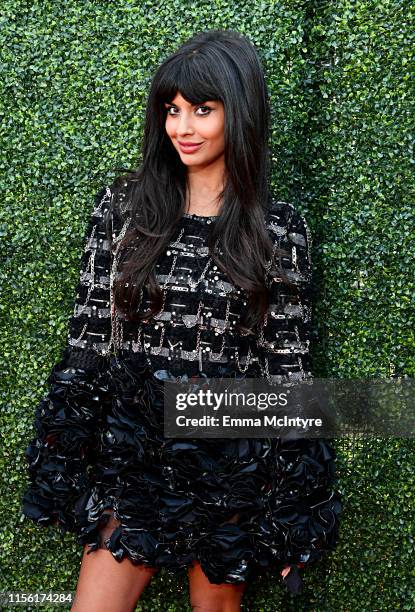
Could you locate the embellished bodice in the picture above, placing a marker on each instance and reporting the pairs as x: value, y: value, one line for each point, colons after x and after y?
x: 195, y: 330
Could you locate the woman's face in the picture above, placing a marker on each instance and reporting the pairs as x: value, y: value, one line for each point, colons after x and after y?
x: 203, y: 124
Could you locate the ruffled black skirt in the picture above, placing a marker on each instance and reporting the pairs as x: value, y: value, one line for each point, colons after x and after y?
x: 238, y: 506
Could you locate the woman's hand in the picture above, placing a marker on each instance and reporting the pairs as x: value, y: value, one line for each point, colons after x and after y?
x: 285, y: 570
x: 292, y: 578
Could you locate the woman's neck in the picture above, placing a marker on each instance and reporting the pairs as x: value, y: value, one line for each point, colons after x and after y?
x: 203, y: 202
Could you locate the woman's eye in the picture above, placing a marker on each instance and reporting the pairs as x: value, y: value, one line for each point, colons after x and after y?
x: 173, y: 108
x: 207, y: 108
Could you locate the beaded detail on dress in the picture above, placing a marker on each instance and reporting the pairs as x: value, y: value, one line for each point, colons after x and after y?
x: 196, y: 328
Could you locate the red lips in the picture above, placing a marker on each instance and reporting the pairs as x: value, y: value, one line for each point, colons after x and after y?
x: 189, y: 144
x: 189, y: 147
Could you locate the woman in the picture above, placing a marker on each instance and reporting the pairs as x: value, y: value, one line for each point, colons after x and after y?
x: 190, y: 268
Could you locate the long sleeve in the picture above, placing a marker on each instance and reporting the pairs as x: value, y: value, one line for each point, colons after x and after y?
x: 284, y: 346
x: 306, y: 506
x: 67, y: 418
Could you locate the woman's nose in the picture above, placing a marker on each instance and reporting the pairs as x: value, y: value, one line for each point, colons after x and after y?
x: 184, y: 125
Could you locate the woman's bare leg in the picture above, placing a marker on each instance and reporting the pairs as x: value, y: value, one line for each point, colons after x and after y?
x: 208, y: 597
x: 107, y: 585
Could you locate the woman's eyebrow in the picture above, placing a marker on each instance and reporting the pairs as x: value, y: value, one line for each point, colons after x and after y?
x: 197, y: 104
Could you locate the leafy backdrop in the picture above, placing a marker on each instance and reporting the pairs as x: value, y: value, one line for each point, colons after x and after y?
x: 74, y: 80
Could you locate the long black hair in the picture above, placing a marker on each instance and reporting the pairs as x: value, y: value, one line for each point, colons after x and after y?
x: 213, y: 65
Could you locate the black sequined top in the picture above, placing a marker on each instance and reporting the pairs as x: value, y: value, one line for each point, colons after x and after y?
x: 195, y: 331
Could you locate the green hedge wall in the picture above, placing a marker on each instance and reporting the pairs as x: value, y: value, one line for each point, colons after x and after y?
x: 74, y: 80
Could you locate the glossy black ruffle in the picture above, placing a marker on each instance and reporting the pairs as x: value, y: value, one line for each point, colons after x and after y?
x: 100, y: 445
x: 67, y: 422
